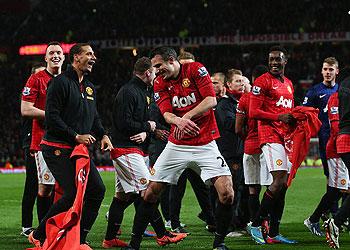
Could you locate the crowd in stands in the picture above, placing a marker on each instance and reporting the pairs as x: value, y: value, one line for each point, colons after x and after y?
x: 93, y: 19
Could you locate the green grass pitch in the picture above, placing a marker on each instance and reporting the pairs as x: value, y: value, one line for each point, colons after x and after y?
x: 302, y: 198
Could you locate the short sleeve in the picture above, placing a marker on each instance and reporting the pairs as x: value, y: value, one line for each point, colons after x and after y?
x: 31, y: 89
x: 161, y: 96
x: 202, y: 78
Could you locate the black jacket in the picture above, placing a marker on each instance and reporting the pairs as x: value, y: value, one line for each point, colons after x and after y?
x: 157, y: 146
x: 344, y: 106
x: 229, y: 143
x: 71, y: 109
x: 131, y: 114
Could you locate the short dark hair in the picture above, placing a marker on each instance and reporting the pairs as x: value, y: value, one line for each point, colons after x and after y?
x: 142, y: 64
x: 76, y: 49
x: 259, y: 70
x: 164, y: 52
x: 52, y: 43
x: 37, y: 65
x: 220, y: 75
x: 186, y: 55
x: 278, y: 48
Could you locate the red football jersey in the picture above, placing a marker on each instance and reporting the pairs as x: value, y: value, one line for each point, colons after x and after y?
x: 333, y: 116
x: 180, y: 95
x: 35, y: 92
x: 272, y: 97
x: 251, y: 142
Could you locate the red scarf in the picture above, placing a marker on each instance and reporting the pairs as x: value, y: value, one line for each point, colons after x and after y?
x: 236, y: 94
x: 307, y: 126
x: 63, y: 230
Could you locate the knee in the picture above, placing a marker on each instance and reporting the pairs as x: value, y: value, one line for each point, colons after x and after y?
x: 226, y: 197
x: 152, y: 193
x: 254, y: 189
x: 277, y: 185
x: 45, y: 190
x: 150, y: 196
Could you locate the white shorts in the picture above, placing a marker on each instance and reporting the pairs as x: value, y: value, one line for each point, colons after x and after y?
x: 338, y: 174
x: 276, y: 157
x: 175, y: 159
x: 255, y: 170
x: 131, y: 173
x: 44, y: 174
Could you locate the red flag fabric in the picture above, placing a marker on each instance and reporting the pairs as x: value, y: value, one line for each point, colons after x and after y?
x: 307, y: 126
x: 63, y: 230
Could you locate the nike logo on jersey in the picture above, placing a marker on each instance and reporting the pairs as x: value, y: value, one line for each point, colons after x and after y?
x: 181, y: 102
x: 284, y: 102
x: 274, y: 87
x: 321, y: 96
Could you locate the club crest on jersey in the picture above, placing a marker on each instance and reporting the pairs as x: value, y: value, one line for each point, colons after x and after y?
x: 256, y: 90
x: 156, y: 96
x: 202, y: 71
x: 181, y: 102
x: 152, y: 171
x: 343, y: 182
x: 289, y: 89
x: 89, y: 91
x: 26, y: 91
x: 334, y: 110
x: 285, y: 103
x: 186, y: 82
x: 143, y: 181
x: 279, y: 162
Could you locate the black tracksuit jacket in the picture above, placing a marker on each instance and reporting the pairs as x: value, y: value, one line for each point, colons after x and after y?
x: 229, y: 143
x: 131, y: 114
x: 344, y: 106
x: 71, y: 109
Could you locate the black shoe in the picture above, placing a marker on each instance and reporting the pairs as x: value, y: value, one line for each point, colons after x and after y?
x: 27, y: 232
x: 180, y: 229
x: 210, y: 228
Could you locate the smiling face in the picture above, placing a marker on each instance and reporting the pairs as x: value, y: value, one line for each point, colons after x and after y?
x: 167, y: 69
x: 54, y: 58
x: 150, y: 76
x: 85, y: 59
x: 277, y: 63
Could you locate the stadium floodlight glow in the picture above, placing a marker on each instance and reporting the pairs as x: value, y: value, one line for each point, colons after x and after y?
x: 39, y: 49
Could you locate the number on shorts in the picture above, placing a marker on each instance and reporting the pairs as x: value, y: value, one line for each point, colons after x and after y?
x: 223, y: 164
